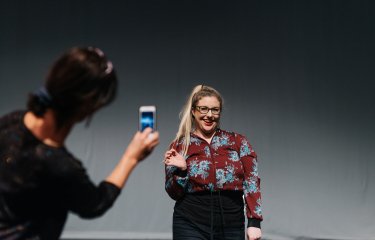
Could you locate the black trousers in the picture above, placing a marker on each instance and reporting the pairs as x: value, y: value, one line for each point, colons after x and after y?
x: 184, y: 229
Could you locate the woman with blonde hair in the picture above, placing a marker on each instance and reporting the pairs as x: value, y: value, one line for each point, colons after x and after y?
x: 209, y: 171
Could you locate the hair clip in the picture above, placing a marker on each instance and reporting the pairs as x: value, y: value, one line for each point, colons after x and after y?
x: 97, y: 51
x: 109, y: 68
x: 44, y: 96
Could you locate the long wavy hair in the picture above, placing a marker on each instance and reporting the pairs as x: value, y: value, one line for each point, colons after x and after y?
x: 187, y: 119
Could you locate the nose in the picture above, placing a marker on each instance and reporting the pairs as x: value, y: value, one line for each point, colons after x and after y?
x: 209, y: 113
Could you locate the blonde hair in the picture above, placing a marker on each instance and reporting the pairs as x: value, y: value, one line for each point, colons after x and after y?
x: 186, y: 116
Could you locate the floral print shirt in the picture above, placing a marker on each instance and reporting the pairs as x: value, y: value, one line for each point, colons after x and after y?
x: 227, y: 163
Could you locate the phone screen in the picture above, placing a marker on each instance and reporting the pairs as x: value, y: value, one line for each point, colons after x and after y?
x: 147, y: 120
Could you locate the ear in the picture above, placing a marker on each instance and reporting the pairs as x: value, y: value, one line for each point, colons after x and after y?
x: 192, y: 113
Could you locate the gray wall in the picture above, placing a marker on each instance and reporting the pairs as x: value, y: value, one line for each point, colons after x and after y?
x: 297, y: 78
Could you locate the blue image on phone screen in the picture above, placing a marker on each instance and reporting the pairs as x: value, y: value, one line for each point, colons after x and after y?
x: 147, y: 120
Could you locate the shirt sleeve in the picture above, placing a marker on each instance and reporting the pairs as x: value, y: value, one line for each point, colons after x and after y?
x: 81, y: 195
x: 175, y: 180
x: 251, y: 182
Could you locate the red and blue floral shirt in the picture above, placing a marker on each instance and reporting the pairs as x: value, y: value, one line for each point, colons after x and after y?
x: 227, y: 163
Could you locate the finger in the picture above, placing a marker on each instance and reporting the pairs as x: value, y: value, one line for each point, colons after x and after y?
x: 170, y: 162
x: 168, y: 151
x: 137, y: 135
x: 146, y: 132
x: 155, y: 136
x: 151, y: 141
x: 173, y: 152
x: 152, y: 137
x: 168, y: 154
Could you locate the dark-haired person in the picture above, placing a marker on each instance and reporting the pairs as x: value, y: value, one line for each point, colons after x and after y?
x: 40, y: 180
x: 209, y: 171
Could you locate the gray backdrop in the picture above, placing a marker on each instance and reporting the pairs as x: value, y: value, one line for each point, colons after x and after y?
x: 297, y: 78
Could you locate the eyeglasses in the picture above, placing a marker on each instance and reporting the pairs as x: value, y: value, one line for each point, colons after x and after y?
x: 205, y: 110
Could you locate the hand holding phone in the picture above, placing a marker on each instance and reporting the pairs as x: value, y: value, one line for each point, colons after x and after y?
x: 147, y: 117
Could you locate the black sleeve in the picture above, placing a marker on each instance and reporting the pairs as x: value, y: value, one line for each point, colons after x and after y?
x: 81, y: 195
x: 98, y: 203
x: 253, y: 222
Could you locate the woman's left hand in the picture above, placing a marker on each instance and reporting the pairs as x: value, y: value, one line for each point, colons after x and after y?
x: 253, y: 233
x: 173, y: 158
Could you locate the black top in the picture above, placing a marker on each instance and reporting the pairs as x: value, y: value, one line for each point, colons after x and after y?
x: 213, y: 209
x: 40, y: 184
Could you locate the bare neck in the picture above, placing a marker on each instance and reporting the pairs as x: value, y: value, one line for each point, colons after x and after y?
x: 207, y: 137
x: 44, y: 128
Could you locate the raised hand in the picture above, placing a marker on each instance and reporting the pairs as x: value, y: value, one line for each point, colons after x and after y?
x: 173, y: 158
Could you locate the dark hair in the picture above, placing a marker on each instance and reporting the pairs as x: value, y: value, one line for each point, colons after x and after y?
x: 80, y: 82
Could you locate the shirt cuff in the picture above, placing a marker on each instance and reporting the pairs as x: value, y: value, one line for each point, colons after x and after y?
x: 181, y: 173
x: 253, y: 222
x: 112, y: 190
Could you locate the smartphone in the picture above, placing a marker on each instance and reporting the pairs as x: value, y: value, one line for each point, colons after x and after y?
x: 147, y: 117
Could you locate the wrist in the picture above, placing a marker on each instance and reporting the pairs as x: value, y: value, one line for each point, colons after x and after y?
x: 129, y: 161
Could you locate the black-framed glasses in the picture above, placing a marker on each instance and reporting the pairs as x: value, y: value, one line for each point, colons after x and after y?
x: 205, y: 110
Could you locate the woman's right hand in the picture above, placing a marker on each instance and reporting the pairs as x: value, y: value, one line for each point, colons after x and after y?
x: 142, y: 144
x: 173, y: 158
x: 139, y: 148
